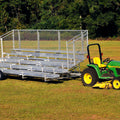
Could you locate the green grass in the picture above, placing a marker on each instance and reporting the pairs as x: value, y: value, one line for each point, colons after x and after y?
x: 68, y: 100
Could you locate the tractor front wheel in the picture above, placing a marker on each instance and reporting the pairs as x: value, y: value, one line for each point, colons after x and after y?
x: 116, y: 84
x: 89, y: 77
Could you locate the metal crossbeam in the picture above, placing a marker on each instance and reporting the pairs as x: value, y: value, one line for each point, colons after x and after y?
x: 29, y: 54
x: 33, y: 68
x: 30, y: 73
x: 39, y: 63
x: 49, y: 51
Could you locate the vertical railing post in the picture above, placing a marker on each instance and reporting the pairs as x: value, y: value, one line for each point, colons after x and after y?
x: 74, y: 57
x: 87, y: 36
x: 19, y: 39
x: 82, y: 41
x: 38, y: 39
x: 1, y: 47
x: 59, y: 41
x: 67, y: 55
x: 13, y: 39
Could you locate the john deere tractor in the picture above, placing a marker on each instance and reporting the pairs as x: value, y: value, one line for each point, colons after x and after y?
x: 101, y: 70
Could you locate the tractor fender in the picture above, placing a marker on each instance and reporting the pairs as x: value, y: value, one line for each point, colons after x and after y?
x: 96, y: 69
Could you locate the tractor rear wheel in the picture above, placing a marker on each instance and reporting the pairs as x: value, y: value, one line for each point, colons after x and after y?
x: 89, y: 77
x: 116, y: 84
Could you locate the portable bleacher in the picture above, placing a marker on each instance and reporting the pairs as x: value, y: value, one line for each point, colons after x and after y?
x: 48, y: 54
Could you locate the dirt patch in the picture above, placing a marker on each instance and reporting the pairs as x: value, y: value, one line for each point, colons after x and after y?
x: 93, y: 117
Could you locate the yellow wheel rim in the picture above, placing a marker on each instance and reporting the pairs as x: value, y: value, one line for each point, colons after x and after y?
x: 116, y: 84
x: 87, y: 78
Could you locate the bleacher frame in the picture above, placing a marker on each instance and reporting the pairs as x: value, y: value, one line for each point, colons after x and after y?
x: 39, y: 62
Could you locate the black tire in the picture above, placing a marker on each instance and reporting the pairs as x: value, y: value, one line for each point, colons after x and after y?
x: 116, y: 84
x: 2, y: 76
x: 89, y: 77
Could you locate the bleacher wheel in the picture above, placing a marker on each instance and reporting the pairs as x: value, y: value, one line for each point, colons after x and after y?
x: 2, y: 76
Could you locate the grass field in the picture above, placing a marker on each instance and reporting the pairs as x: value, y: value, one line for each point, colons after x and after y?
x: 65, y: 100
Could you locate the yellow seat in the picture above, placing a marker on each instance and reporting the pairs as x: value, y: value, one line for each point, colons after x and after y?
x: 96, y: 60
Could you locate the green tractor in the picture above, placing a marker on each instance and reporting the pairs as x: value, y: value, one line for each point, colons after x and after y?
x: 99, y: 70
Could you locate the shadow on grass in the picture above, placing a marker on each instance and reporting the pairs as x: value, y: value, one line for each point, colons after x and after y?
x: 51, y: 81
x: 35, y: 79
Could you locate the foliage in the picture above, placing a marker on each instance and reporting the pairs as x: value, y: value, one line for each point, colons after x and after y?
x: 101, y: 18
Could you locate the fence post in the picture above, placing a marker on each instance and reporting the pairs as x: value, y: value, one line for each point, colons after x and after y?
x: 82, y: 41
x: 67, y: 55
x: 38, y: 39
x: 74, y: 52
x: 13, y: 40
x: 59, y: 42
x: 2, y: 47
x: 87, y: 36
x: 19, y: 39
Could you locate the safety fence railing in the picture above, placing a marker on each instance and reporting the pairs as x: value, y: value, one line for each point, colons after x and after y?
x: 77, y: 47
x: 2, y: 38
x: 68, y: 42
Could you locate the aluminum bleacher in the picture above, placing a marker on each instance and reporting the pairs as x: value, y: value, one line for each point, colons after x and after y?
x: 42, y: 63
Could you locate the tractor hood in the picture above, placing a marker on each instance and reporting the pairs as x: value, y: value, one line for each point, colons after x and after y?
x: 114, y: 64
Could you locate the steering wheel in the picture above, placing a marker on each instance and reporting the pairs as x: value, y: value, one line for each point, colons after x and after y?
x: 107, y: 60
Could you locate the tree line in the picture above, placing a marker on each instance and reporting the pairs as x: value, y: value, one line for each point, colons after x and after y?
x: 100, y: 17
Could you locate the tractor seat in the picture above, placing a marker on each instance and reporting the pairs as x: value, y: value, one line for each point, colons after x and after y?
x: 96, y: 60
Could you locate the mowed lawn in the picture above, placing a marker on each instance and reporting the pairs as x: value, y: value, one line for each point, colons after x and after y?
x: 65, y: 100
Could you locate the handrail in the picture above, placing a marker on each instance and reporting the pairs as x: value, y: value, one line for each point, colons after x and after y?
x: 81, y: 37
x: 45, y: 30
x: 74, y: 37
x: 6, y: 34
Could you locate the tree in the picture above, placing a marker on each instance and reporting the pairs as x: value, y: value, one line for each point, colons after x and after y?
x: 101, y: 18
